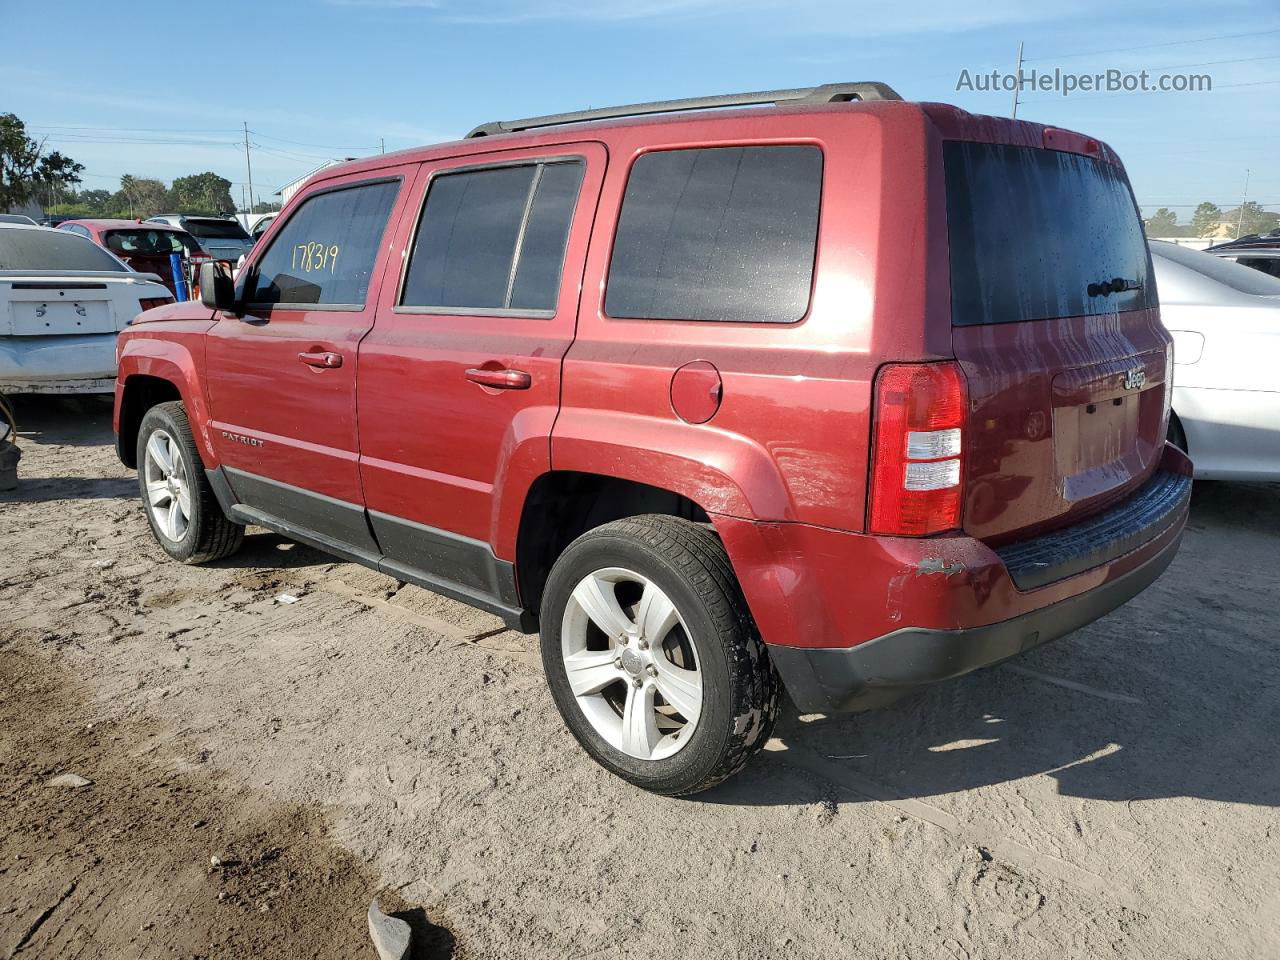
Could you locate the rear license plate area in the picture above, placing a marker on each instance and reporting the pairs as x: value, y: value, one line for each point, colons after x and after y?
x: 33, y: 318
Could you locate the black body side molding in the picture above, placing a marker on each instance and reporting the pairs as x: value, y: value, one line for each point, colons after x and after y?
x: 457, y: 567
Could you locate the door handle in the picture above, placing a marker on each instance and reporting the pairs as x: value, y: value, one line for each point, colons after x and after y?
x: 321, y: 358
x: 503, y: 379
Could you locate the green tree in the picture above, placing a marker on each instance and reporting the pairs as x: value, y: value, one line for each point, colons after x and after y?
x: 26, y: 170
x: 205, y: 193
x: 1251, y: 218
x: 98, y: 202
x: 140, y: 197
x: 263, y: 206
x: 1206, y: 219
x: 1162, y: 223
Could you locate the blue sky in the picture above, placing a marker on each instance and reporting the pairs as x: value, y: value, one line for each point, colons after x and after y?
x: 333, y: 77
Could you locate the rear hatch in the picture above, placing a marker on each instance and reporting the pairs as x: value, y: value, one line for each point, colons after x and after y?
x: 150, y: 250
x: 40, y: 307
x: 54, y: 283
x: 221, y: 239
x: 1056, y: 327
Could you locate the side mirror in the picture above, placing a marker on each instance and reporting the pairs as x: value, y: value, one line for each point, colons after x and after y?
x: 217, y: 289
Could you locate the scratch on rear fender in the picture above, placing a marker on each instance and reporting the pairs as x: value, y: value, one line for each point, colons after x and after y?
x: 926, y: 567
x: 930, y: 566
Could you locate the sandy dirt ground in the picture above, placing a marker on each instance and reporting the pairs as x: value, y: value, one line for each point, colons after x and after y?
x: 1114, y: 794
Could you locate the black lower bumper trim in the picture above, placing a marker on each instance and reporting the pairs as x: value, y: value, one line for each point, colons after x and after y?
x: 1140, y: 518
x: 875, y: 673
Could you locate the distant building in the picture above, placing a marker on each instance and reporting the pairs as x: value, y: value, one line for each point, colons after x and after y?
x: 29, y: 209
x: 289, y: 189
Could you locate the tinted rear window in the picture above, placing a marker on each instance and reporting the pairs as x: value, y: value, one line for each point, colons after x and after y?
x: 722, y: 233
x: 45, y: 249
x: 148, y: 243
x: 494, y: 239
x: 1030, y: 230
x: 215, y: 229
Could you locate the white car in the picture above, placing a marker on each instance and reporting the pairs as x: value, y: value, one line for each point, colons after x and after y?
x: 1225, y: 323
x: 63, y: 301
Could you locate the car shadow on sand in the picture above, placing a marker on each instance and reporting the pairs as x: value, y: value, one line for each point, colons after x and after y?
x: 264, y: 549
x: 1176, y: 694
x: 49, y: 489
x: 73, y: 421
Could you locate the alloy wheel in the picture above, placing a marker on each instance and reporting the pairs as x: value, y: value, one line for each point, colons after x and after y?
x: 631, y: 663
x: 168, y: 491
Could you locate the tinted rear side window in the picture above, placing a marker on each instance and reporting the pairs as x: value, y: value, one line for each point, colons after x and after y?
x: 721, y: 233
x: 326, y: 252
x: 494, y: 239
x: 1030, y: 230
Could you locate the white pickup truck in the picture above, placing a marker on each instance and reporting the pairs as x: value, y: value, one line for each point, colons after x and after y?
x: 63, y: 301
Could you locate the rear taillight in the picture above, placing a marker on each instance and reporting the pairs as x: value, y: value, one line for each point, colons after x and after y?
x: 917, y: 469
x: 147, y: 303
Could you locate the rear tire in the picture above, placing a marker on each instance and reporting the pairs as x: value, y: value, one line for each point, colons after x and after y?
x: 185, y: 516
x: 696, y: 695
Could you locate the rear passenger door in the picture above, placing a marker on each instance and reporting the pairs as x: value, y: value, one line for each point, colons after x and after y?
x: 460, y: 377
x: 281, y: 376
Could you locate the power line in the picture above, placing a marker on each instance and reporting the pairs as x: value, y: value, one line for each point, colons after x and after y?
x: 1147, y: 93
x: 63, y: 126
x: 1228, y: 204
x: 322, y: 146
x: 289, y: 155
x: 1214, y: 63
x: 1153, y: 46
x: 88, y: 131
x: 73, y: 138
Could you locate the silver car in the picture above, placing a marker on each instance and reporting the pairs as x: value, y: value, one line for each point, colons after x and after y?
x: 63, y: 301
x: 220, y: 237
x: 1225, y: 322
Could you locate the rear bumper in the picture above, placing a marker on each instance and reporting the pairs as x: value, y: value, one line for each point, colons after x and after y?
x: 854, y: 621
x: 71, y: 363
x: 875, y: 673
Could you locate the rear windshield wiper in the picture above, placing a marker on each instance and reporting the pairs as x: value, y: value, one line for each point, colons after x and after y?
x: 1114, y: 285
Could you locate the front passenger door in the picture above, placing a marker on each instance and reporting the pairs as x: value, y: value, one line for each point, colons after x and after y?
x: 281, y: 376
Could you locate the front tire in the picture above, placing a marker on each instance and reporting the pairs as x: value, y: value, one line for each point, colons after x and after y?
x: 184, y: 514
x: 652, y: 656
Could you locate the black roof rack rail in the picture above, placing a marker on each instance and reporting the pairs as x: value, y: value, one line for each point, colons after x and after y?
x: 827, y: 93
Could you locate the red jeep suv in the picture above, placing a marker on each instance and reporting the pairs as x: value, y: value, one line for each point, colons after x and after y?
x: 833, y: 393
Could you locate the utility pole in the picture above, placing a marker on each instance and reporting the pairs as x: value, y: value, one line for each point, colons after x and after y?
x: 382, y: 144
x: 1017, y: 82
x: 1243, y: 197
x: 248, y: 166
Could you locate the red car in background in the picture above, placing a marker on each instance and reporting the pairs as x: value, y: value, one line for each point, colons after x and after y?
x: 146, y: 247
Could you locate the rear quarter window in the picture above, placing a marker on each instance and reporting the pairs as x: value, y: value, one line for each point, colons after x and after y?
x: 717, y: 234
x: 1030, y: 231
